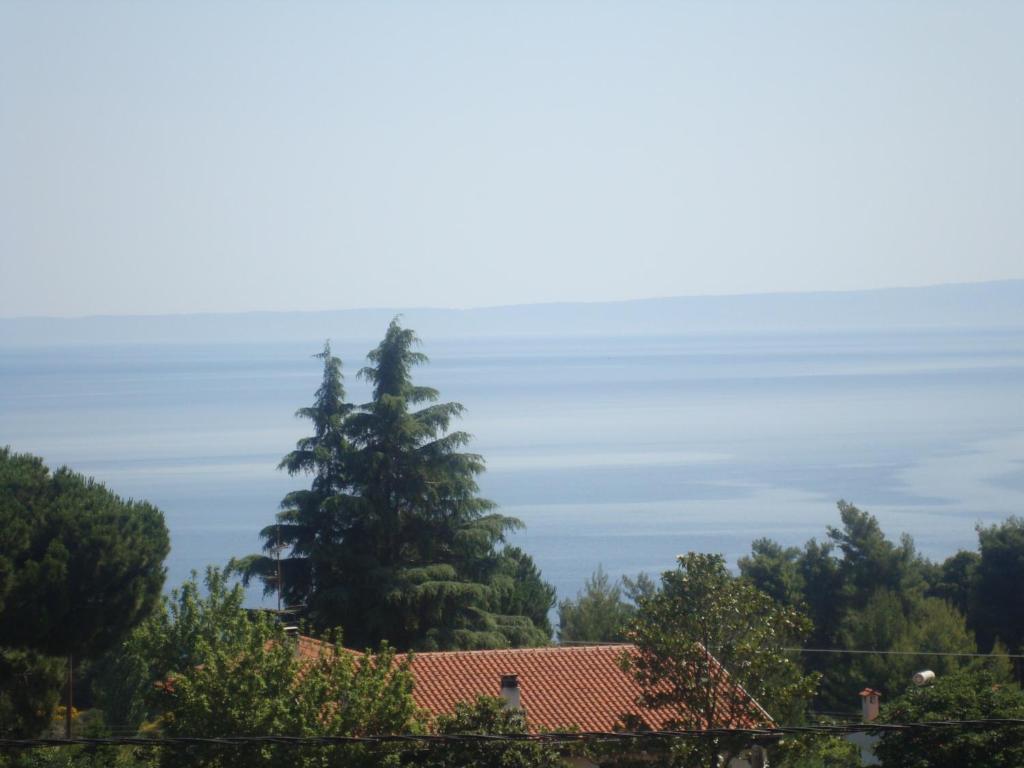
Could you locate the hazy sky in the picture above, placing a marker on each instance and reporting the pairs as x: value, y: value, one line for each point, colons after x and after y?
x: 176, y: 156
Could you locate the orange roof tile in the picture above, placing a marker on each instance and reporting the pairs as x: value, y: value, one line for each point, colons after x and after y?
x: 310, y: 649
x: 560, y: 686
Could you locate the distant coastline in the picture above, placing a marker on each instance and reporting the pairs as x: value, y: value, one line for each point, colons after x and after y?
x: 998, y: 304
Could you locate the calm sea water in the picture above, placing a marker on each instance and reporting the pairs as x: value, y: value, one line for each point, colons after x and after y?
x: 617, y: 451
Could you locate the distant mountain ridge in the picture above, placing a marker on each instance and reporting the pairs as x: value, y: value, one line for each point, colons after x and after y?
x: 997, y: 304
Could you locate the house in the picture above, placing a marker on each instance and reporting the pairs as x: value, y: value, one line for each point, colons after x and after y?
x: 558, y: 686
x: 561, y: 687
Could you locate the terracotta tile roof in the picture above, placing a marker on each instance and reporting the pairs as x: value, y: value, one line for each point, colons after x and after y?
x: 560, y: 686
x: 310, y: 648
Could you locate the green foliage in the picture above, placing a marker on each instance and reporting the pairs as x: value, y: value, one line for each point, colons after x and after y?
x: 80, y: 566
x: 392, y: 541
x: 705, y: 632
x: 489, y: 715
x: 997, y: 611
x: 80, y: 757
x: 213, y: 668
x: 29, y: 685
x: 179, y: 637
x: 816, y: 752
x: 965, y: 695
x: 522, y: 591
x: 304, y: 527
x: 598, y: 614
x: 864, y: 592
x: 870, y: 561
x: 953, y: 580
x: 886, y: 623
x: 775, y: 570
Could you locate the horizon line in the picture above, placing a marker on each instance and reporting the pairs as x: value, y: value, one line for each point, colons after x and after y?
x: 486, y: 307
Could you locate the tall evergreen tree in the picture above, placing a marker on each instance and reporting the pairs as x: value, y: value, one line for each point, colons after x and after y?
x: 310, y: 520
x: 425, y: 565
x: 392, y: 541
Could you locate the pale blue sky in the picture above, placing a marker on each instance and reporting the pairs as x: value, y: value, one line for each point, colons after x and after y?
x: 216, y: 156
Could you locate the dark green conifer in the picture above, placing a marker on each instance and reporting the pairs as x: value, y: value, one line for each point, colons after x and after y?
x: 429, y: 573
x: 392, y: 541
x: 308, y: 523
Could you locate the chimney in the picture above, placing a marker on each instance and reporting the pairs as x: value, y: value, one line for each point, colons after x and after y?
x: 510, y: 691
x: 869, y: 701
x: 292, y: 633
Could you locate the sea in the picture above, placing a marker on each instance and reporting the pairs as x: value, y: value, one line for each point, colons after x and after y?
x: 618, y: 451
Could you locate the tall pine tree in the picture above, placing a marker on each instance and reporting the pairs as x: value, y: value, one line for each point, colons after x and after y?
x: 308, y: 524
x: 393, y: 542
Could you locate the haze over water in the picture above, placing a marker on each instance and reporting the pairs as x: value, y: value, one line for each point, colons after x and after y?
x: 617, y: 450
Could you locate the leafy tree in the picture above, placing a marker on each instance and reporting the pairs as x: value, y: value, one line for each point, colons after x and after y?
x: 87, y: 565
x: 775, y: 570
x: 823, y: 590
x: 489, y: 715
x: 954, y: 581
x: 598, y: 614
x: 965, y: 695
x: 393, y: 541
x: 998, y: 603
x: 639, y: 588
x: 79, y: 567
x: 702, y: 636
x: 816, y: 751
x: 865, y: 592
x: 205, y: 666
x: 178, y: 637
x: 29, y: 687
x: 870, y: 561
x: 884, y: 624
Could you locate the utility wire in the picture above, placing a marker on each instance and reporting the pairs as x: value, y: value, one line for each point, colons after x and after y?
x: 559, y: 738
x: 584, y: 643
x: 908, y: 653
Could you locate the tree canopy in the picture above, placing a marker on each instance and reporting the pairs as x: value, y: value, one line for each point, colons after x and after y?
x: 996, y: 607
x: 81, y: 566
x: 704, y: 634
x: 865, y: 592
x: 206, y: 666
x: 393, y: 541
x: 966, y: 695
x: 490, y: 715
x: 601, y: 611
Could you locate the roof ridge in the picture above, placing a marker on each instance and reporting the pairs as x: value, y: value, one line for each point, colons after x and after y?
x: 537, y: 649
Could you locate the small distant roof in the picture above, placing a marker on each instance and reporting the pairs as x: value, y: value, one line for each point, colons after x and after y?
x: 870, y: 692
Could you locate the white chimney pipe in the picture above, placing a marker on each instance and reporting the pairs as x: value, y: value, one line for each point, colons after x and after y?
x: 510, y: 691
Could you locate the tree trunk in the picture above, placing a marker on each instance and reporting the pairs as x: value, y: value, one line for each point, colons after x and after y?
x: 68, y: 702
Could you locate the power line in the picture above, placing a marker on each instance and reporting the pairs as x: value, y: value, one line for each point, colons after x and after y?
x: 554, y: 738
x: 908, y: 653
x: 841, y: 650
